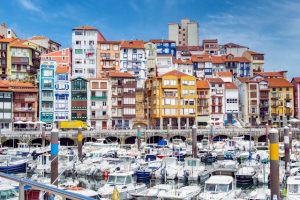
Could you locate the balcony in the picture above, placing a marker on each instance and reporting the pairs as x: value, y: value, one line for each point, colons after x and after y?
x: 274, y: 113
x: 98, y: 97
x: 23, y: 119
x: 288, y: 111
x: 95, y: 117
x: 264, y: 96
x: 274, y: 104
x: 79, y: 108
x: 47, y: 98
x: 30, y: 99
x: 78, y: 118
x: 47, y: 109
x: 203, y: 97
x: 288, y: 97
x: 275, y: 95
x: 24, y: 109
x: 263, y: 105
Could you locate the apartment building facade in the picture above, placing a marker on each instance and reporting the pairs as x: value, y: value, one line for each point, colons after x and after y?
x: 165, y: 46
x: 100, y: 106
x: 6, y: 102
x: 257, y: 61
x: 4, y: 56
x: 84, y: 45
x: 203, y: 99
x: 151, y: 54
x: 133, y: 60
x: 296, y: 83
x: 123, y: 104
x: 80, y: 98
x: 184, y: 34
x: 173, y: 100
x: 108, y: 56
x: 231, y: 103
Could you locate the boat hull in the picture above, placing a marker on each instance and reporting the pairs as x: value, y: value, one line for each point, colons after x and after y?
x: 12, y: 169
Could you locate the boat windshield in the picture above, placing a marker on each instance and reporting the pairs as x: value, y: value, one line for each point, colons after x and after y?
x: 192, y: 163
x: 294, y: 188
x: 118, y: 180
x: 7, y: 194
x: 216, y: 187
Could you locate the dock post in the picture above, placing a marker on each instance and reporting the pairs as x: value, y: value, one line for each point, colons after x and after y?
x: 194, y: 141
x: 43, y: 135
x: 286, y: 149
x: 267, y: 134
x: 274, y: 164
x: 79, y: 143
x: 291, y: 138
x: 21, y: 191
x: 139, y: 135
x: 54, y: 157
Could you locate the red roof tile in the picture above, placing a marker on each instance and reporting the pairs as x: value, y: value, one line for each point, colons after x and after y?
x: 230, y: 86
x: 202, y: 84
x: 278, y: 82
x: 215, y: 80
x: 183, y: 62
x: 7, y: 40
x: 62, y: 70
x: 134, y: 44
x: 120, y: 74
x: 39, y: 37
x: 233, y: 45
x: 296, y: 79
x: 254, y: 53
x: 201, y: 58
x: 175, y: 73
x: 228, y: 74
x: 270, y: 74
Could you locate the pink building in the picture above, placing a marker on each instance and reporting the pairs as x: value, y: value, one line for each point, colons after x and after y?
x: 296, y: 83
x: 63, y: 57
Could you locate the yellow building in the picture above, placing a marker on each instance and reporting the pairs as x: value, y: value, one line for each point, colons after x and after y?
x: 173, y: 99
x: 281, y: 101
x: 257, y: 61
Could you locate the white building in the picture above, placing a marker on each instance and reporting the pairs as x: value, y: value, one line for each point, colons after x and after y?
x: 84, y: 45
x: 231, y: 103
x: 184, y: 34
x: 100, y: 106
x: 232, y: 48
x: 185, y: 66
x: 150, y: 52
x: 62, y: 94
x: 164, y: 64
x: 133, y: 60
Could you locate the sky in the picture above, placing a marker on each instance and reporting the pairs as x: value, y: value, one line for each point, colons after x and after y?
x: 267, y: 26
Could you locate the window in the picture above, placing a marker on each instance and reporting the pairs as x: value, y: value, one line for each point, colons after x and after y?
x: 78, y: 42
x: 116, y: 47
x: 78, y: 51
x: 78, y: 32
x: 47, y: 72
x: 47, y: 84
x: 134, y: 50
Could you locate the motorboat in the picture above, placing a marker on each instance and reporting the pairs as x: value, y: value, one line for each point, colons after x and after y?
x: 147, y: 171
x: 226, y: 167
x: 123, y: 182
x: 152, y: 192
x: 192, y: 170
x: 169, y: 169
x: 293, y: 188
x: 245, y: 175
x: 260, y: 194
x: 183, y: 193
x: 209, y: 157
x: 219, y: 187
x: 13, y: 165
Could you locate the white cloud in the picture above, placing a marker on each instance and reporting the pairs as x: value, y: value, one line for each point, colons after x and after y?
x: 30, y: 6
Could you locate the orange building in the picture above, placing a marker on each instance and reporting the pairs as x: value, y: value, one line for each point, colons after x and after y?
x: 108, y: 58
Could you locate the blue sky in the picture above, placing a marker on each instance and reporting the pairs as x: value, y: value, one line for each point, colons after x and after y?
x: 268, y: 26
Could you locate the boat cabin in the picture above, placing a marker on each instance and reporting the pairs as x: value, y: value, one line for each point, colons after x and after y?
x: 293, y: 186
x: 218, y: 184
x: 120, y: 179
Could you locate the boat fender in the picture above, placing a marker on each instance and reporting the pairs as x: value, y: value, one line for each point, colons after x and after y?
x: 105, y: 174
x: 186, y: 173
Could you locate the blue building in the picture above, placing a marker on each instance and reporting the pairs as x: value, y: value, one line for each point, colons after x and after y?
x: 165, y: 46
x: 46, y: 91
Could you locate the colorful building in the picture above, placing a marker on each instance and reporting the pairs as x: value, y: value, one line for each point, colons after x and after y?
x: 164, y: 64
x: 173, y: 100
x: 281, y: 101
x: 46, y: 43
x: 231, y: 103
x: 6, y: 101
x: 100, y: 106
x: 80, y: 99
x: 203, y: 111
x: 46, y: 90
x: 123, y: 104
x: 296, y: 83
x: 257, y: 61
x: 108, y: 56
x: 151, y: 54
x: 165, y: 46
x: 84, y: 45
x: 133, y: 60
x: 4, y: 58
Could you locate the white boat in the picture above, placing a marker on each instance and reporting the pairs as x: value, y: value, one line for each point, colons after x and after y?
x: 152, y: 192
x: 184, y: 193
x: 293, y: 188
x: 8, y: 192
x: 219, y: 187
x: 245, y: 175
x: 169, y: 169
x: 123, y: 182
x: 260, y: 194
x: 192, y: 170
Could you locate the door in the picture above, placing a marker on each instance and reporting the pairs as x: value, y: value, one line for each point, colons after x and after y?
x: 104, y: 124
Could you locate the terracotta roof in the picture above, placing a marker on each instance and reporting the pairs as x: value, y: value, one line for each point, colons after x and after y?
x: 202, y: 84
x: 62, y: 70
x: 39, y: 37
x: 89, y: 28
x: 278, y: 82
x: 270, y: 74
x: 134, y: 44
x: 174, y: 73
x: 233, y: 45
x: 183, y: 62
x: 215, y: 80
x: 230, y: 86
x: 120, y: 74
x: 228, y: 74
x: 218, y: 59
x: 189, y: 48
x: 254, y: 53
x: 201, y: 58
x: 160, y: 40
x: 7, y: 40
x: 296, y: 79
x: 243, y: 79
x: 18, y: 86
x: 19, y: 44
x: 240, y: 59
